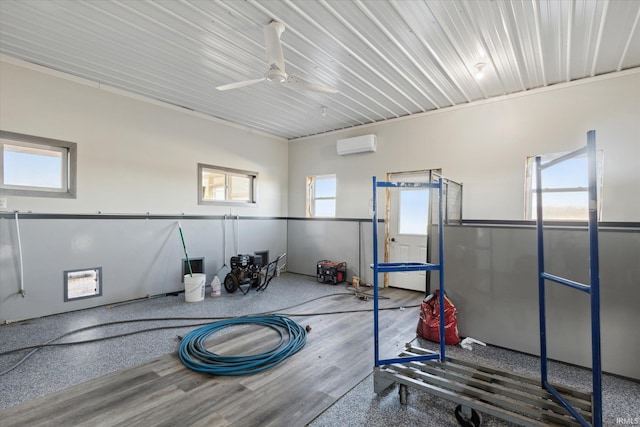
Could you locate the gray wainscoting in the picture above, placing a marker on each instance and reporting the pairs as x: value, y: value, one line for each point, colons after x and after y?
x: 491, y: 276
x: 490, y: 272
x: 139, y: 257
x: 348, y: 240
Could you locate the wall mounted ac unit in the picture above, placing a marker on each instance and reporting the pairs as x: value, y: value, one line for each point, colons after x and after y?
x: 358, y: 144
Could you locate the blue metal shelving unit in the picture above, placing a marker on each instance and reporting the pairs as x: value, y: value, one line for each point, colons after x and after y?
x: 593, y: 289
x: 482, y: 389
x: 389, y: 267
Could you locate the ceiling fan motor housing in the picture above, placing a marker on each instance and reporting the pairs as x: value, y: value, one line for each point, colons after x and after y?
x: 276, y: 76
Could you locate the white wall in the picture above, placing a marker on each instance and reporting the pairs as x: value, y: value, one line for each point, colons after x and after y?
x: 134, y: 156
x: 484, y: 146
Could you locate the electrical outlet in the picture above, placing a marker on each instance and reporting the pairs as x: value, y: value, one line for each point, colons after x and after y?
x: 3, y: 203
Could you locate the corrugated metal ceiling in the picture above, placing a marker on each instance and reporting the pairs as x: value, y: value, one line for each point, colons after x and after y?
x: 388, y: 59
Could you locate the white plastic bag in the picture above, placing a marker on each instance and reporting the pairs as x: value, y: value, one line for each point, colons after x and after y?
x: 466, y: 343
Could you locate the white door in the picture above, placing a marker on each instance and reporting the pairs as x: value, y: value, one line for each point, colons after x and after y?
x: 408, y: 226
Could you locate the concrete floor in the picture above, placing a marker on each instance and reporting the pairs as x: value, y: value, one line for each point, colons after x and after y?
x: 55, y: 368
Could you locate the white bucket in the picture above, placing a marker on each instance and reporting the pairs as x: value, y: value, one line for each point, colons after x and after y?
x: 194, y: 287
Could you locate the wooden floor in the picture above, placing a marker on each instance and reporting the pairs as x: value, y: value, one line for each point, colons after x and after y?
x: 162, y: 392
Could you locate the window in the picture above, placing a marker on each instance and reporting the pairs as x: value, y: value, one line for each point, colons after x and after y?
x: 414, y: 211
x: 564, y: 188
x: 218, y: 185
x: 80, y: 284
x: 34, y: 166
x: 321, y: 196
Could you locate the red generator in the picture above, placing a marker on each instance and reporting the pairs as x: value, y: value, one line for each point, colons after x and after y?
x: 332, y: 272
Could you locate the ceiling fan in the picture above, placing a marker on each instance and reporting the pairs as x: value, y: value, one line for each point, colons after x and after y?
x: 275, y: 59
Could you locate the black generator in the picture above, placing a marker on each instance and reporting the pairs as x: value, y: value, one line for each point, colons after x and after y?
x: 249, y: 272
x: 245, y: 270
x: 245, y: 261
x: 331, y: 272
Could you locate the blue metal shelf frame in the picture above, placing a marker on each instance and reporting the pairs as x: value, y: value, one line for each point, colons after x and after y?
x: 593, y: 289
x: 389, y: 267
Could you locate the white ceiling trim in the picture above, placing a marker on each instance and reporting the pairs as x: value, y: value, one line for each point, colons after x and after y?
x: 480, y: 102
x: 106, y: 88
x: 96, y: 85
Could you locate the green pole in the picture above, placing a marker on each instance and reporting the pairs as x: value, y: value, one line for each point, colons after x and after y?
x: 185, y: 249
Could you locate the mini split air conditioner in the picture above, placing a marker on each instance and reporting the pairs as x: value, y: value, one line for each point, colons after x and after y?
x: 358, y: 144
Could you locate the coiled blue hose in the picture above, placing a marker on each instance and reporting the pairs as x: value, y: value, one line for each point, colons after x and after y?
x: 196, y: 357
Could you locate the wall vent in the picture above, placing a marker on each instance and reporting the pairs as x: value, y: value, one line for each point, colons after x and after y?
x: 80, y: 284
x: 197, y: 266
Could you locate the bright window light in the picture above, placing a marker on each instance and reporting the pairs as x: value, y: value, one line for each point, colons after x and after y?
x: 413, y: 216
x: 219, y: 185
x: 34, y: 166
x: 321, y: 196
x: 564, y: 188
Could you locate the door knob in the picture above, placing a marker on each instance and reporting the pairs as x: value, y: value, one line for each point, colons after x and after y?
x: 393, y: 239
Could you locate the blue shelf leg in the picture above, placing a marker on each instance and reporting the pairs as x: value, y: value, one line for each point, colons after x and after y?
x: 376, y: 355
x: 541, y: 283
x: 441, y: 269
x: 594, y: 269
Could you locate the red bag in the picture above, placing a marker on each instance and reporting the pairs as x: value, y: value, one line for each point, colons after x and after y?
x: 429, y: 322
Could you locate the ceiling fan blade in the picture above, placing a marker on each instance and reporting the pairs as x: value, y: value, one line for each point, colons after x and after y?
x: 272, y: 44
x: 295, y: 82
x: 240, y: 84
